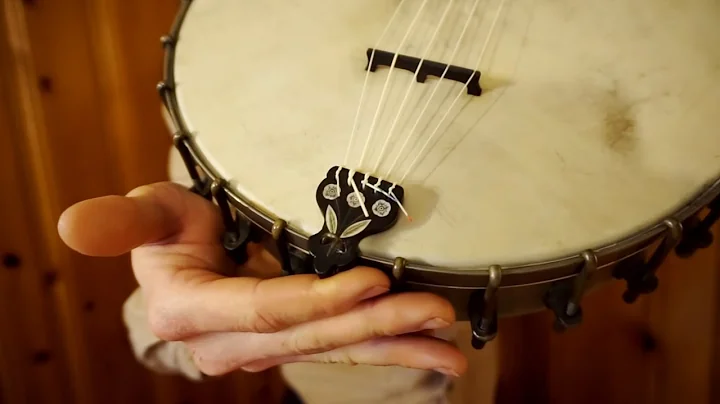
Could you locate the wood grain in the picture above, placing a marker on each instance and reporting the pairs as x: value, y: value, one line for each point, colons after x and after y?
x: 79, y: 103
x: 684, y: 317
x: 659, y: 350
x: 36, y: 353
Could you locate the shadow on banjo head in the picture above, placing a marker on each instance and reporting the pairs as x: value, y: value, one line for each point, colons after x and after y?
x: 491, y: 83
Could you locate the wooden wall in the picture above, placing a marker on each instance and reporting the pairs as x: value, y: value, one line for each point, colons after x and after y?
x: 79, y: 118
x: 661, y: 350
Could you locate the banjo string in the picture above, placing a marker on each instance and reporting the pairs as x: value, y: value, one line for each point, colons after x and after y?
x: 391, y: 196
x: 381, y: 102
x: 435, y: 88
x: 417, y: 159
x: 406, y: 97
x: 412, y: 85
x: 365, y: 84
x: 390, y: 193
x: 359, y: 110
x: 351, y: 176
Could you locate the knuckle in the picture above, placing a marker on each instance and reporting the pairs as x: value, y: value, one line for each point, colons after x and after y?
x: 381, y: 324
x: 327, y: 308
x: 211, y: 356
x: 304, y: 344
x: 212, y: 365
x: 208, y: 366
x: 263, y: 319
x: 167, y: 322
x: 263, y: 323
x: 322, y: 304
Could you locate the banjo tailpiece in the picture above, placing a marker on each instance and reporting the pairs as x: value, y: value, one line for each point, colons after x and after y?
x: 355, y: 206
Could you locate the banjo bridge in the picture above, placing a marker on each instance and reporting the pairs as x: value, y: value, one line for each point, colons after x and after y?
x: 354, y: 207
x: 428, y: 68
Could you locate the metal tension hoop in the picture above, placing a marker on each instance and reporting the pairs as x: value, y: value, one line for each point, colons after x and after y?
x: 641, y: 279
x: 697, y: 233
x: 279, y: 236
x: 564, y: 298
x: 482, y: 310
x: 237, y: 231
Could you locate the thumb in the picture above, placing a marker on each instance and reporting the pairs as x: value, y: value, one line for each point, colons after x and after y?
x: 152, y: 214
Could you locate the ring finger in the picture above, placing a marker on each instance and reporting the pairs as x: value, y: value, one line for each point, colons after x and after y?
x: 388, y: 316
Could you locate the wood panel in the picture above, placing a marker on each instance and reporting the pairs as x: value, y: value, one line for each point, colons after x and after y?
x: 684, y: 317
x: 662, y: 349
x: 33, y: 358
x: 82, y: 114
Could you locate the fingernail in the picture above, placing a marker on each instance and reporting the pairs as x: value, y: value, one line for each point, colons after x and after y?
x: 374, y: 292
x: 447, y: 372
x: 435, y: 324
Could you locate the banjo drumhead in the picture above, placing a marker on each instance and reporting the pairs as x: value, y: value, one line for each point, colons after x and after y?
x: 597, y: 119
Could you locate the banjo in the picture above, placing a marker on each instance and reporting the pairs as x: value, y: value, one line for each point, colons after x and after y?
x: 509, y: 155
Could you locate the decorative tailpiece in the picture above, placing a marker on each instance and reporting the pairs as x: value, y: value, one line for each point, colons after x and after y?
x: 349, y: 218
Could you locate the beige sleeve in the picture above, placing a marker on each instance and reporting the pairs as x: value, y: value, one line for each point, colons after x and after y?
x: 154, y: 353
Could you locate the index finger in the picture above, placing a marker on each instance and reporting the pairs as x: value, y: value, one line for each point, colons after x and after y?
x: 194, y: 307
x: 177, y: 258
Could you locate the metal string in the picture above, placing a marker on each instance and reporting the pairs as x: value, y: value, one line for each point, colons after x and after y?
x: 462, y: 90
x: 435, y: 88
x: 411, y: 86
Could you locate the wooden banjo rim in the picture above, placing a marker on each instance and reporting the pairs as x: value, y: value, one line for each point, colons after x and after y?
x: 668, y: 231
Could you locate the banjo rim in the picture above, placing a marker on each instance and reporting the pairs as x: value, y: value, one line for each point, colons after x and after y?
x: 516, y: 274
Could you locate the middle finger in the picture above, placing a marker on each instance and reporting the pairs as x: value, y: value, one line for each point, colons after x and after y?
x: 388, y: 316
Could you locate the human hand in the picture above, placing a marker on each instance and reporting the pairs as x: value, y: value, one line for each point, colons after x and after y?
x: 254, y: 323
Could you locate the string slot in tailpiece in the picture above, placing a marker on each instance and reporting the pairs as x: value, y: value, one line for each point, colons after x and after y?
x: 425, y: 68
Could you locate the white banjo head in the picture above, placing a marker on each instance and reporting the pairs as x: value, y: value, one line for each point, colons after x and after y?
x: 598, y: 118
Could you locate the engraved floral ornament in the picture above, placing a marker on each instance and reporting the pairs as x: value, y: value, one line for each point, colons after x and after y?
x: 381, y: 208
x: 353, y: 230
x: 331, y: 192
x: 354, y: 201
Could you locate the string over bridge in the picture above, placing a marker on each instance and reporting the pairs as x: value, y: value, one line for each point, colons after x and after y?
x: 335, y: 248
x: 428, y: 68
